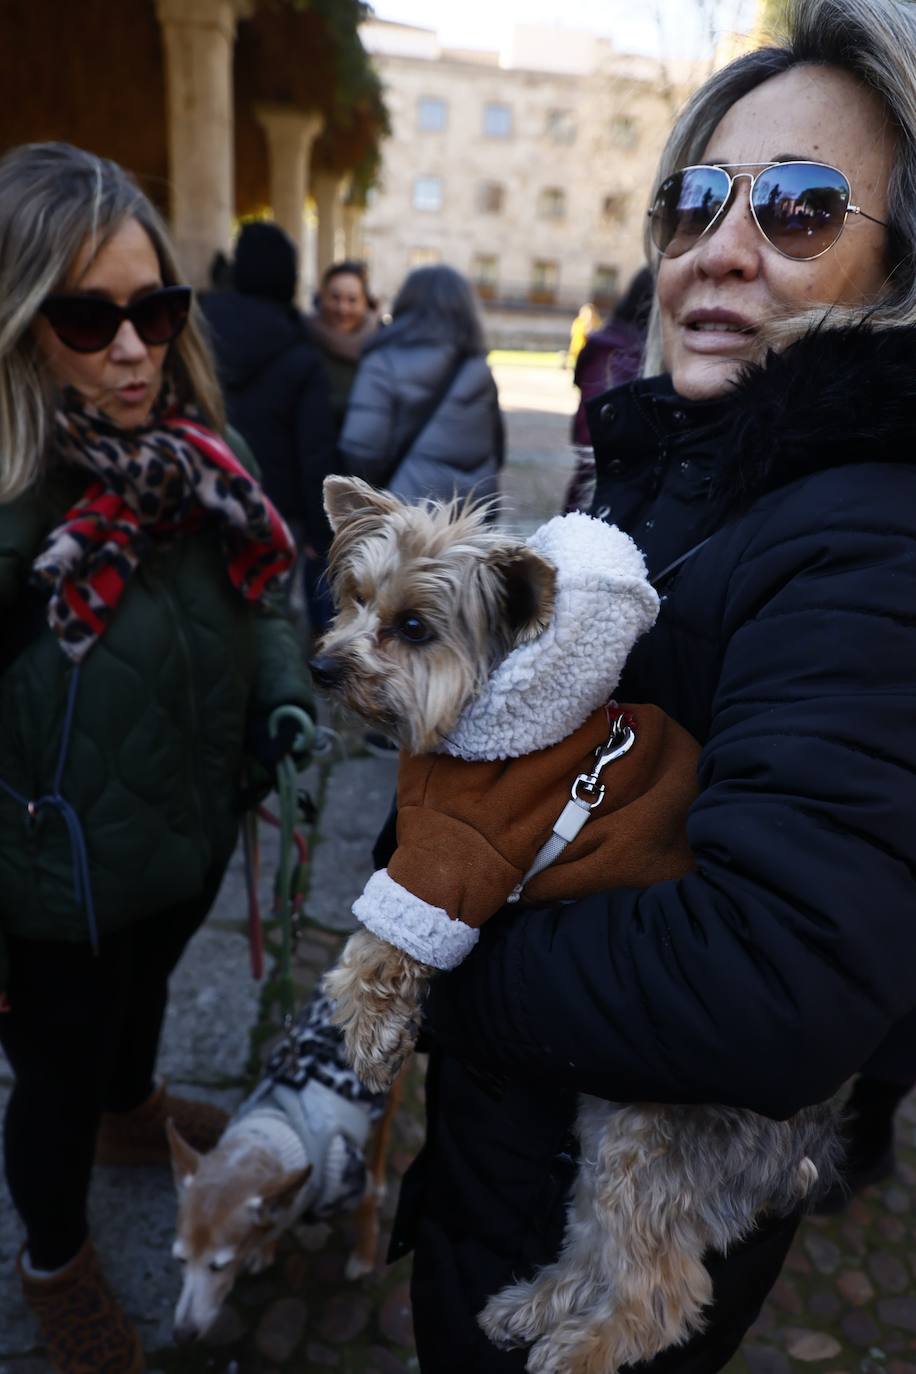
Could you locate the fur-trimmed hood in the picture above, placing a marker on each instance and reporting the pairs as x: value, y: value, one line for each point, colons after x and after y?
x: 544, y: 690
x: 837, y: 396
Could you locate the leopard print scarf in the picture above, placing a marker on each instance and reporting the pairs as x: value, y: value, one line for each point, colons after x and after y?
x: 151, y: 484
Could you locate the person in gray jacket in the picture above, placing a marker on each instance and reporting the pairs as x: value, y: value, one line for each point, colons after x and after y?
x: 423, y: 417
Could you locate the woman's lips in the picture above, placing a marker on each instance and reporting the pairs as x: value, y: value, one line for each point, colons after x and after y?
x: 717, y: 341
x: 132, y: 392
x: 716, y: 331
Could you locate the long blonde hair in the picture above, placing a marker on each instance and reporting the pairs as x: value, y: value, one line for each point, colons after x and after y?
x: 873, y: 40
x: 55, y: 198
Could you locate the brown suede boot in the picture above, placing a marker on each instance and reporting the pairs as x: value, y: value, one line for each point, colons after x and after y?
x: 138, y: 1137
x: 82, y: 1324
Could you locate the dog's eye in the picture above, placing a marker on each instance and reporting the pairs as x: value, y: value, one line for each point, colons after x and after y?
x: 217, y: 1266
x: 413, y: 629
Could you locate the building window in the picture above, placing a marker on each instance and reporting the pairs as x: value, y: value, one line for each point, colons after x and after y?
x: 490, y: 197
x: 545, y: 278
x: 605, y: 285
x: 561, y: 126
x: 497, y: 119
x: 432, y: 114
x: 552, y: 203
x: 614, y: 208
x: 485, y: 275
x: 424, y: 257
x: 427, y: 193
x: 624, y: 131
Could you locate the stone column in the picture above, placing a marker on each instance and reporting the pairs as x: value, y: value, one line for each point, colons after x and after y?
x: 353, y: 230
x: 198, y: 38
x: 290, y: 134
x: 327, y: 188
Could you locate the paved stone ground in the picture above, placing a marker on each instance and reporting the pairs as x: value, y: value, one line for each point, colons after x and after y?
x: 845, y: 1303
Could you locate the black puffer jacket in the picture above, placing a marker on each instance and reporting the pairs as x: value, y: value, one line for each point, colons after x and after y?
x: 787, y: 645
x: 276, y: 393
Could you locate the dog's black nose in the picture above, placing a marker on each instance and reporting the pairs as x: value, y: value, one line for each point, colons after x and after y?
x: 326, y: 670
x: 184, y: 1334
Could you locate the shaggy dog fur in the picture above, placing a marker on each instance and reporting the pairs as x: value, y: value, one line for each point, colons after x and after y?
x: 657, y: 1185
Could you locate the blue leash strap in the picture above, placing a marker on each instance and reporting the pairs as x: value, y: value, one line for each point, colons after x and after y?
x: 82, y: 885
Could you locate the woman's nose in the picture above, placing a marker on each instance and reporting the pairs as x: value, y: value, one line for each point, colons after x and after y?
x: 734, y: 242
x: 127, y: 346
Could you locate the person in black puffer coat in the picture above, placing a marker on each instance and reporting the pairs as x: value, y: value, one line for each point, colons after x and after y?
x: 275, y: 387
x: 768, y: 474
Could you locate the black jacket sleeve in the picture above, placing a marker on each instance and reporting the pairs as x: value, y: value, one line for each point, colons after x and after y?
x: 316, y: 441
x: 768, y: 975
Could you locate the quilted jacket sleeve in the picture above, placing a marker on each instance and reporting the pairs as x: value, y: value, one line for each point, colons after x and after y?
x: 767, y: 976
x: 367, y: 440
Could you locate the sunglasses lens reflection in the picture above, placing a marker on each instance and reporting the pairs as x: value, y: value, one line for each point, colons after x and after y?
x: 801, y: 207
x: 686, y: 205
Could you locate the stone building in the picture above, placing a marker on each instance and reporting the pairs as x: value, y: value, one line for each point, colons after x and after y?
x: 529, y: 174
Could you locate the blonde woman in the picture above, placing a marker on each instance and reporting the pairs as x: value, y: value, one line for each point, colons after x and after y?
x: 137, y: 654
x: 765, y: 464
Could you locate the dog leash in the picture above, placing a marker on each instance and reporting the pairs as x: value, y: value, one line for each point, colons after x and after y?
x: 586, y: 795
x: 290, y: 883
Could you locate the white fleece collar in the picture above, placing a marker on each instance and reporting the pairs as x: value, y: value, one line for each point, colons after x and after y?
x: 544, y: 690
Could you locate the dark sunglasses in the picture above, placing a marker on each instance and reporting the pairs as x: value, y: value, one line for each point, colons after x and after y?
x: 87, y: 324
x: 800, y: 208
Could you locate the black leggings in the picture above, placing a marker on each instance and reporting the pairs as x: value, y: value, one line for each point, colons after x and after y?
x: 81, y: 1039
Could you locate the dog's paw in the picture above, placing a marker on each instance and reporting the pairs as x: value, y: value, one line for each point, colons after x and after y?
x: 511, y: 1318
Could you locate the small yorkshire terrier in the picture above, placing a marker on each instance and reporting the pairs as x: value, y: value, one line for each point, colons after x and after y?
x: 490, y: 661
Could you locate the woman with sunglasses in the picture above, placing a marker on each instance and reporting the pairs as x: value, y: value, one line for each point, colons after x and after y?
x: 765, y: 463
x: 137, y: 652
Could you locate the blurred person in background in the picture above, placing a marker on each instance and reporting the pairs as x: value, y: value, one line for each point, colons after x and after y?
x: 140, y: 661
x: 276, y: 389
x: 423, y: 418
x: 587, y: 320
x: 345, y: 318
x: 611, y: 356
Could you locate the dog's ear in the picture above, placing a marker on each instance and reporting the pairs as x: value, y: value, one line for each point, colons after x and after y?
x: 185, y: 1158
x: 271, y: 1206
x: 530, y: 586
x: 345, y: 497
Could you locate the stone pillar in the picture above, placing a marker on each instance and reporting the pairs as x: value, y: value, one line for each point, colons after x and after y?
x: 353, y: 230
x: 290, y: 134
x: 327, y: 188
x: 198, y: 38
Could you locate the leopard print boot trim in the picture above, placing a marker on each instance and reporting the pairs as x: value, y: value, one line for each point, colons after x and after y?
x: 82, y: 1324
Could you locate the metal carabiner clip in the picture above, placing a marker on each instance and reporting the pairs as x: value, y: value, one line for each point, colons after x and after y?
x: 620, y: 742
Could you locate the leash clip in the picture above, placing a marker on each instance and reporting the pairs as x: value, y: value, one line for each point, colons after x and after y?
x: 587, y: 790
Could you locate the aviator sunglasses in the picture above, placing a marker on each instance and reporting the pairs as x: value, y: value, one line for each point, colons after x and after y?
x: 87, y: 324
x: 800, y: 208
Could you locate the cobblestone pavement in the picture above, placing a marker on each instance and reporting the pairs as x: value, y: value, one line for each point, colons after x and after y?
x: 845, y: 1302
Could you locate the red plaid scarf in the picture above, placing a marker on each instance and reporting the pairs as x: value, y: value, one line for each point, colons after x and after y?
x: 152, y: 483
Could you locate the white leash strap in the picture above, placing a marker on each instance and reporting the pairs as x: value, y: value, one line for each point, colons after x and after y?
x: 586, y: 794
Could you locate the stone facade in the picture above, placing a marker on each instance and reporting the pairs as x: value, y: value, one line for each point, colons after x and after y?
x: 532, y: 182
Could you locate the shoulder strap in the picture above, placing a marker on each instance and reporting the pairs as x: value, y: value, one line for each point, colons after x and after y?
x: 429, y: 410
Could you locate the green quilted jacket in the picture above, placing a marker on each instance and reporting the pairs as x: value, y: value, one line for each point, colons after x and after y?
x: 156, y: 748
